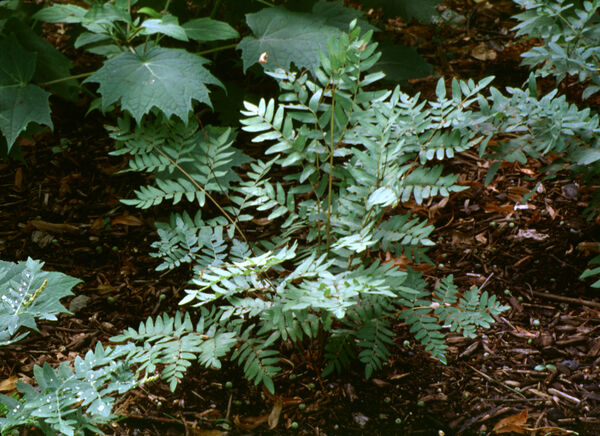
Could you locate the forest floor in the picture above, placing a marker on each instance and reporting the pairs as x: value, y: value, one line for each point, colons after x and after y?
x: 535, y: 371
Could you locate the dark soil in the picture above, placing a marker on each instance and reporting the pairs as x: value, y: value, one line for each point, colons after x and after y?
x: 530, y: 258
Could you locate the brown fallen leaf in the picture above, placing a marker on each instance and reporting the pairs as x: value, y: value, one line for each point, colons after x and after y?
x: 589, y: 247
x: 262, y: 222
x: 8, y: 384
x: 401, y: 262
x: 273, y: 419
x: 379, y: 383
x: 507, y: 209
x: 127, y: 220
x: 513, y: 423
x: 203, y: 432
x: 53, y: 227
x: 481, y: 52
x: 481, y: 238
x: 249, y: 423
x: 19, y: 179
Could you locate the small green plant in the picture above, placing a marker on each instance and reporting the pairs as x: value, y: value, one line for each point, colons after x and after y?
x: 351, y: 155
x: 28, y: 293
x: 74, y: 397
x: 571, y: 36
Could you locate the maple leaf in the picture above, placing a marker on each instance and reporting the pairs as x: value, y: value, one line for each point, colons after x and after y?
x: 20, y: 102
x: 165, y: 78
x: 287, y: 37
x: 296, y: 37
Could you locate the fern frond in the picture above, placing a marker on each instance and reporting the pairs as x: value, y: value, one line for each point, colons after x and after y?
x: 339, y: 351
x: 591, y: 272
x: 168, y: 342
x: 427, y: 330
x: 375, y: 337
x: 257, y: 360
x: 230, y: 279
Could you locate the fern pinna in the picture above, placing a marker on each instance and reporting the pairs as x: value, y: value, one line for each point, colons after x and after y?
x: 351, y: 155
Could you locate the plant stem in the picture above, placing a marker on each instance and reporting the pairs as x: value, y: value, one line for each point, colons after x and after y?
x: 266, y: 3
x: 200, y: 188
x: 331, y: 150
x: 65, y: 79
x: 128, y: 13
x: 212, y: 50
x: 215, y: 8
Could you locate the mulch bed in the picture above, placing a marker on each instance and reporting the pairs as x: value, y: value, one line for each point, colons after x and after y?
x: 537, y: 367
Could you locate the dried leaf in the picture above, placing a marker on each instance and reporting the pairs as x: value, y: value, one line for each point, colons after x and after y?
x: 127, y: 220
x: 506, y: 209
x: 588, y: 247
x: 401, y: 262
x: 275, y: 413
x: 250, y: 422
x: 8, y: 384
x: 379, y: 383
x: 53, y: 227
x: 203, y: 432
x: 514, y: 423
x: 481, y: 52
x: 19, y: 179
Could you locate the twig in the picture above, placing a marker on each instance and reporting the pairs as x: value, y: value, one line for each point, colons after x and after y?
x: 496, y: 381
x: 564, y: 395
x: 566, y: 299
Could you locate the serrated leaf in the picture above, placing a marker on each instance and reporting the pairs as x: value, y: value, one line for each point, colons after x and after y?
x: 165, y: 78
x: 51, y: 64
x: 206, y: 29
x: 20, y: 102
x: 17, y: 65
x: 286, y: 37
x: 339, y: 16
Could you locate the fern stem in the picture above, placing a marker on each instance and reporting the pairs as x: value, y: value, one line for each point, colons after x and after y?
x: 330, y: 181
x: 210, y: 197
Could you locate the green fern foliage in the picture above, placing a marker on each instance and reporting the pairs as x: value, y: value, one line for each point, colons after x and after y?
x: 352, y: 158
x: 594, y: 271
x: 186, y: 162
x: 570, y: 32
x: 172, y: 344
